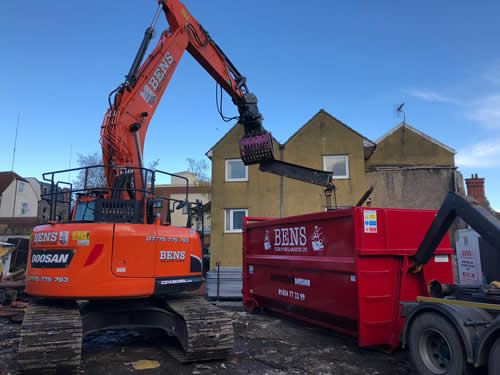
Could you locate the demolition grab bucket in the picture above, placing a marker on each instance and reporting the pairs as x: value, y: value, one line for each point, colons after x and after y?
x: 258, y: 149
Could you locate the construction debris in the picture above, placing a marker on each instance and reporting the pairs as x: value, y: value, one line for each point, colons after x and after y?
x: 6, y: 250
x: 11, y: 284
x: 259, y: 349
x: 17, y: 275
x: 11, y: 287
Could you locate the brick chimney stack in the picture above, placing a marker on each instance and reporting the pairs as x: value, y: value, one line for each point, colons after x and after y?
x: 475, y: 189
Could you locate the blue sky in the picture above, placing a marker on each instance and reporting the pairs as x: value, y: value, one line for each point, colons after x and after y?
x: 355, y: 59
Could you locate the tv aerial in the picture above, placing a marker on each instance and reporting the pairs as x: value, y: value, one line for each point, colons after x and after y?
x: 399, y: 110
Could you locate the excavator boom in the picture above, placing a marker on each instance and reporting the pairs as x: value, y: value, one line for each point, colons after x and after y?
x: 135, y: 101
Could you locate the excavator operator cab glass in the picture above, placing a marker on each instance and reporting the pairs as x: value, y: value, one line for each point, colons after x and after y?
x: 84, y: 211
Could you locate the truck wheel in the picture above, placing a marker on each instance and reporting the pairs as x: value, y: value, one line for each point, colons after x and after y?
x: 435, y: 346
x: 494, y: 359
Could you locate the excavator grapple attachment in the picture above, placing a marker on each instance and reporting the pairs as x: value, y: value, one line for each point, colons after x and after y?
x: 257, y: 149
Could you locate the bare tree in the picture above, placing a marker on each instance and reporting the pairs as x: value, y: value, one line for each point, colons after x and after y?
x: 153, y: 166
x: 95, y: 176
x: 200, y: 168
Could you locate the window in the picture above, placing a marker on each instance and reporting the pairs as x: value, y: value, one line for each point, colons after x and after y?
x: 236, y: 170
x: 24, y: 209
x: 85, y: 211
x: 339, y: 164
x: 234, y: 219
x: 20, y: 187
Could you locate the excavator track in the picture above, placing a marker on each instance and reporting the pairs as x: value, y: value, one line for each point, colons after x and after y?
x: 205, y: 332
x: 51, y: 339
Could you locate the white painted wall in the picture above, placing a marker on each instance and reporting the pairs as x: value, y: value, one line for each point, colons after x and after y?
x: 181, y: 182
x: 11, y: 197
x: 35, y: 185
x: 178, y: 218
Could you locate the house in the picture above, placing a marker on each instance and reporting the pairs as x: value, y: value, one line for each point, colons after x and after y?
x: 17, y: 197
x: 23, y: 205
x: 407, y: 168
x: 176, y: 190
x: 42, y: 191
x: 410, y: 169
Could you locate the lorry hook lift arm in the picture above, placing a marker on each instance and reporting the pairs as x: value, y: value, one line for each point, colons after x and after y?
x: 455, y: 205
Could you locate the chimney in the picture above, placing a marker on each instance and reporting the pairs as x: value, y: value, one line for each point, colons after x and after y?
x: 475, y: 189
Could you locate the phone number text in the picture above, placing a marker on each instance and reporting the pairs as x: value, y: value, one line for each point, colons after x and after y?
x: 292, y: 294
x: 46, y: 279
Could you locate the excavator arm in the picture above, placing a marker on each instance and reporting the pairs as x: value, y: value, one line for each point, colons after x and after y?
x: 134, y: 102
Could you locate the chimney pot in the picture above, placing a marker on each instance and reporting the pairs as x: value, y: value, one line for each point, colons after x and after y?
x: 475, y: 188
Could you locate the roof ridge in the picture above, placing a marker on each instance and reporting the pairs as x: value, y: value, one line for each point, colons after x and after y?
x: 419, y: 132
x: 7, y: 177
x: 334, y: 118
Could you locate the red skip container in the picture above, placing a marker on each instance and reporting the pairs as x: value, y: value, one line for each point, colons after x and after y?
x: 347, y: 270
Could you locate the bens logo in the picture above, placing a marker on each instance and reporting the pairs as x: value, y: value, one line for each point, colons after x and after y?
x: 290, y: 236
x: 172, y: 256
x: 154, y: 84
x: 317, y: 239
x: 161, y: 71
x: 46, y: 237
x: 267, y: 241
x: 291, y: 239
x: 294, y: 239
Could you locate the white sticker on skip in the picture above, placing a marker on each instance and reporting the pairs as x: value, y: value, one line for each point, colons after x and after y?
x: 441, y: 258
x: 121, y: 269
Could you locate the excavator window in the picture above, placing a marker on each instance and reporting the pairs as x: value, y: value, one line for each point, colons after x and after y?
x: 85, y: 211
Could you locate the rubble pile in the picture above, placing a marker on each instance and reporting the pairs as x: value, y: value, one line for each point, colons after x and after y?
x: 12, y: 304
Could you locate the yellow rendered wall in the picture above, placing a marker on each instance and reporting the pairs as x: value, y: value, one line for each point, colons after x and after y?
x: 260, y: 195
x: 323, y: 136
x: 406, y: 147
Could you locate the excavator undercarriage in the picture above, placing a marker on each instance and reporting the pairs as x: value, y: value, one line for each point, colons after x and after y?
x: 52, y: 331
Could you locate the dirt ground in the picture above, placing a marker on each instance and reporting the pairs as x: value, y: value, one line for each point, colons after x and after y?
x: 265, y: 343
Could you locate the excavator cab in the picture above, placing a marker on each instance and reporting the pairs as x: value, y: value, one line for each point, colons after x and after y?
x: 91, y: 201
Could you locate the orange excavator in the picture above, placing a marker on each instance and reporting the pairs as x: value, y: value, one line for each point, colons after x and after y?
x: 113, y: 263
